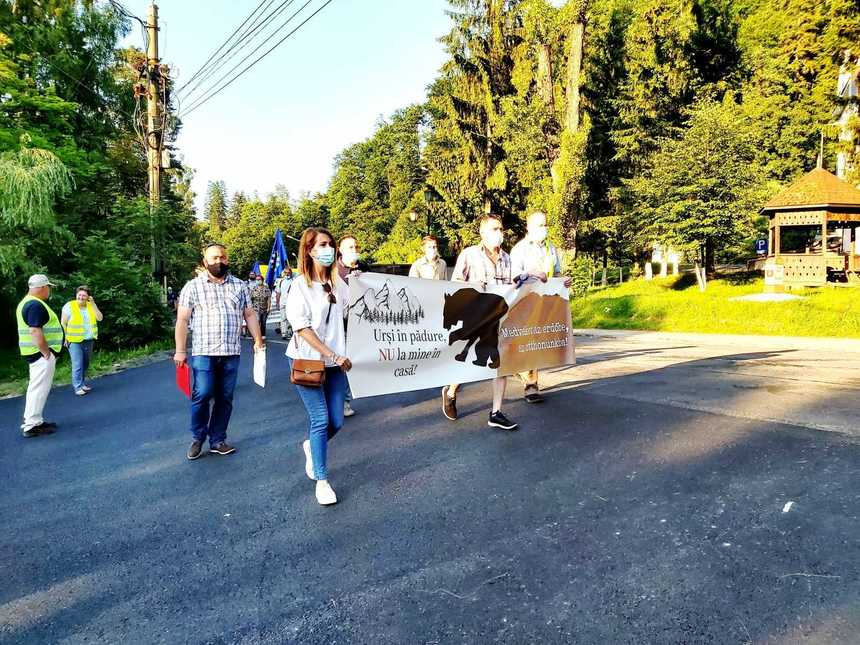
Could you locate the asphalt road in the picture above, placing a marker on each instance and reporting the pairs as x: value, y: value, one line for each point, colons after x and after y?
x: 628, y: 509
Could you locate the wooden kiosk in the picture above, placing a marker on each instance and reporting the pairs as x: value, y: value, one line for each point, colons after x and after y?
x: 813, y: 231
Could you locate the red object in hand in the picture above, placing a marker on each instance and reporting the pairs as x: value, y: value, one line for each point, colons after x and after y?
x: 183, y: 379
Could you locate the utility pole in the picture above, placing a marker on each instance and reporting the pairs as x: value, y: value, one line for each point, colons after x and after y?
x: 153, y: 127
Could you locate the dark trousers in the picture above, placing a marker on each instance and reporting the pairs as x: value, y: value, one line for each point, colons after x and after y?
x: 212, y: 396
x: 262, y: 317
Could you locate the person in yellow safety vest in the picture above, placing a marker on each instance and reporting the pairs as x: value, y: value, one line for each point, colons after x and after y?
x: 535, y: 258
x: 40, y: 340
x: 81, y: 318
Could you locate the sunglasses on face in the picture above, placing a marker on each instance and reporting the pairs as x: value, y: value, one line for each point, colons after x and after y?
x: 327, y: 288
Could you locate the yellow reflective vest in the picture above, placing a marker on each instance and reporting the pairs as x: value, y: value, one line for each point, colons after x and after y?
x: 75, y: 326
x: 53, y: 330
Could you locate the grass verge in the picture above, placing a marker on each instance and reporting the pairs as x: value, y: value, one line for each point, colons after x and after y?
x: 675, y: 304
x: 14, y: 372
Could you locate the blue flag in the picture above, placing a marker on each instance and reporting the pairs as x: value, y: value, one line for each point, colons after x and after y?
x: 277, y: 261
x: 256, y: 268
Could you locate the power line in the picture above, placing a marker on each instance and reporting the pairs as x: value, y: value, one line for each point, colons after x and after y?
x: 229, y: 38
x: 244, y: 40
x: 283, y: 6
x: 217, y: 91
x: 127, y: 14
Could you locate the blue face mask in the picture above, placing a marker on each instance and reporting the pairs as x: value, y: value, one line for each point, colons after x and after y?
x: 325, y: 256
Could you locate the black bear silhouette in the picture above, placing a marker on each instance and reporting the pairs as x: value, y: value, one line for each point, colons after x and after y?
x: 480, y: 313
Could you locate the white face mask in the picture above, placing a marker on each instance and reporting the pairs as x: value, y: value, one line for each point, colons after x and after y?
x: 538, y: 234
x: 494, y: 239
x: 431, y: 254
x: 349, y: 258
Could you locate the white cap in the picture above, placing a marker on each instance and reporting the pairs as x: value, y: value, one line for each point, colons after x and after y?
x: 39, y: 280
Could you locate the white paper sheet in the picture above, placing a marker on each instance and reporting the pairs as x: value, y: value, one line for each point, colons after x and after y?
x: 260, y: 368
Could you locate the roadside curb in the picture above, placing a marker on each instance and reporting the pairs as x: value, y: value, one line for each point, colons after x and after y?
x: 845, y: 345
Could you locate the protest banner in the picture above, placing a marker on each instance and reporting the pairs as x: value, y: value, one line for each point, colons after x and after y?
x: 411, y: 334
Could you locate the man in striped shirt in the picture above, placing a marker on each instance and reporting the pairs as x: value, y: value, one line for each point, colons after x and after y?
x: 215, y: 303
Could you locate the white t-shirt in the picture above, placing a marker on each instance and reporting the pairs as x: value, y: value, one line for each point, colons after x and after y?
x: 307, y: 307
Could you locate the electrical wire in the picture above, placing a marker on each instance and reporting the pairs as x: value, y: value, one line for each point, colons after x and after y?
x: 218, y: 90
x: 244, y: 40
x: 229, y: 38
x: 284, y: 5
x: 126, y: 13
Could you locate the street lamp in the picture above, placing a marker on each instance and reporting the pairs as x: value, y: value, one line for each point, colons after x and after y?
x: 430, y: 196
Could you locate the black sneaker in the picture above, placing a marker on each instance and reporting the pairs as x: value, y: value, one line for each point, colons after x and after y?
x: 42, y: 428
x: 222, y: 448
x: 195, y: 451
x: 533, y: 396
x: 449, y: 405
x: 499, y: 420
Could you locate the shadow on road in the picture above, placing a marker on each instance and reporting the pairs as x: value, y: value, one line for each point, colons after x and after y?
x: 603, y: 520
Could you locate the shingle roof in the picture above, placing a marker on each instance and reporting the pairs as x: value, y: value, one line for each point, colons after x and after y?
x: 816, y: 188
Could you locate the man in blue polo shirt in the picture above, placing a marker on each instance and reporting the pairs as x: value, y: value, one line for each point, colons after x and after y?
x: 40, y: 340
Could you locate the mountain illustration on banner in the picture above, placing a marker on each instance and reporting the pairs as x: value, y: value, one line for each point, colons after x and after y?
x: 385, y: 305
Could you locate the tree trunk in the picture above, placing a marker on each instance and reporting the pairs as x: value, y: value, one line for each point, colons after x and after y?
x: 544, y: 76
x: 574, y: 69
x: 710, y: 262
x: 570, y: 206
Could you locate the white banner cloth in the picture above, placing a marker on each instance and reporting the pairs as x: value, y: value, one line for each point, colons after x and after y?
x: 408, y: 334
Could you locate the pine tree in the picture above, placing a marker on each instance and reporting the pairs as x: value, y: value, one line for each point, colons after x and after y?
x: 234, y: 213
x: 215, y: 207
x: 476, y: 81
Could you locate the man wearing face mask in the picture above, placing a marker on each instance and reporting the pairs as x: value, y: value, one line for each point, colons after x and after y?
x: 535, y: 258
x: 348, y: 258
x: 484, y: 264
x: 429, y: 266
x: 261, y: 300
x: 215, y: 303
x: 348, y: 262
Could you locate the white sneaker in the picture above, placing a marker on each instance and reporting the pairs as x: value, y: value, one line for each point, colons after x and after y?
x: 325, y: 494
x: 309, y: 461
x: 347, y: 409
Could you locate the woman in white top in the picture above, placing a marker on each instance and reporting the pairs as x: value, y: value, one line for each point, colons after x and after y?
x: 316, y: 307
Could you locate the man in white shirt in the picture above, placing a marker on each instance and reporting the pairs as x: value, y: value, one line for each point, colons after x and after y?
x: 429, y: 266
x: 535, y: 258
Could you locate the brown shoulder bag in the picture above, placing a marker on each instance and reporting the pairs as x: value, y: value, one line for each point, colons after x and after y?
x: 308, y: 372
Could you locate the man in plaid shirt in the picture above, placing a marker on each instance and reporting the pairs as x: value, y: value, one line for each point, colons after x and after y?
x: 484, y: 264
x: 215, y: 303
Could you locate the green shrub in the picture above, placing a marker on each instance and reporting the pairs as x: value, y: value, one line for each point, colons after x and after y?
x: 124, y: 291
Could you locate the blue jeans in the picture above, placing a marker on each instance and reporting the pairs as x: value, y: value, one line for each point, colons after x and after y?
x: 214, y: 381
x: 80, y: 354
x: 324, y: 406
